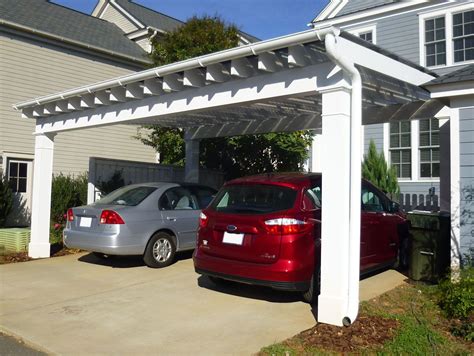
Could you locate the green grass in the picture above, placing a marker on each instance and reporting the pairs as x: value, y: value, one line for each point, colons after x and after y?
x: 423, y: 330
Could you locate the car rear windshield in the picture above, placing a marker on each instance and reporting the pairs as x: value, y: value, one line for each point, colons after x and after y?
x: 254, y: 199
x: 130, y: 196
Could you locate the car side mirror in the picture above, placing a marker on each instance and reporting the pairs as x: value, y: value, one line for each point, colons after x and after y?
x: 394, y: 207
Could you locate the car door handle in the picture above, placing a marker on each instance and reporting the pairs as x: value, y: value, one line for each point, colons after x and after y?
x: 393, y: 244
x: 171, y: 219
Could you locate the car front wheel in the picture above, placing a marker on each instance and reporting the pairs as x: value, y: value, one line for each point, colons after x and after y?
x: 160, y: 250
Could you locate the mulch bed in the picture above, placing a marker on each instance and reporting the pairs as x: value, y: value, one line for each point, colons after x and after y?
x: 56, y: 251
x: 365, y: 332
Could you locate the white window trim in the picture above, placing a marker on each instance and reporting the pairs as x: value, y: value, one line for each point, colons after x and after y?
x: 415, y: 153
x: 358, y: 30
x: 448, y: 16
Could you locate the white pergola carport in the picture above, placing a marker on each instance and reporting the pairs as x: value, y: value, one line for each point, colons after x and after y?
x: 317, y: 79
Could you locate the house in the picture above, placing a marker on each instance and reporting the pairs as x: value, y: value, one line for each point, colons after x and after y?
x: 47, y: 48
x: 438, y: 35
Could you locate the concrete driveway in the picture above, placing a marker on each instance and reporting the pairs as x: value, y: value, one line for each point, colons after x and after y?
x: 79, y: 304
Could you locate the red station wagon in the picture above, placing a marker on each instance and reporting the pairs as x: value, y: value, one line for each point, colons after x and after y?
x: 265, y: 230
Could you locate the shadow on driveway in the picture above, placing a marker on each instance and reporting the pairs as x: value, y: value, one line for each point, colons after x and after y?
x: 126, y: 261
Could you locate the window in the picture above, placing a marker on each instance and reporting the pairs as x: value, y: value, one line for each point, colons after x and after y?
x: 435, y: 41
x: 177, y: 199
x: 463, y: 36
x: 17, y: 176
x: 400, y: 148
x: 203, y: 195
x: 429, y: 148
x: 366, y: 36
x: 371, y: 201
x: 129, y: 195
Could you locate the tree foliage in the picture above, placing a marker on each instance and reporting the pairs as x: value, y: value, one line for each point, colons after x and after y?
x: 375, y: 169
x: 6, y: 200
x: 235, y: 156
x: 67, y: 192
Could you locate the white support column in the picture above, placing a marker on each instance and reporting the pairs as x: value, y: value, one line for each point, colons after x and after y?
x: 41, y: 208
x: 455, y: 191
x: 334, y: 300
x: 191, y: 164
x: 316, y: 154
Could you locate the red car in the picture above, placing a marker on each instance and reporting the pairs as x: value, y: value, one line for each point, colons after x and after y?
x: 265, y: 230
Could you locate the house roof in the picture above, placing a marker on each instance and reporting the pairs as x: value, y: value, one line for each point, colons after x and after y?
x: 68, y: 25
x: 149, y: 17
x: 461, y: 75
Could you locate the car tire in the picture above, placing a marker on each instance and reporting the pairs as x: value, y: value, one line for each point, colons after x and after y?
x: 102, y: 256
x: 160, y: 250
x: 311, y: 295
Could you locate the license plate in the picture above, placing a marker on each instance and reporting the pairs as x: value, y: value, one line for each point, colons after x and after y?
x: 85, y: 222
x: 235, y: 239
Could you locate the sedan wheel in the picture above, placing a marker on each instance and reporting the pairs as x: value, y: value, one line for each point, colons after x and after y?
x: 160, y: 250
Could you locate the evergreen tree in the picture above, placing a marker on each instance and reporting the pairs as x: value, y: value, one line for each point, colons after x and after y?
x: 6, y: 200
x: 375, y: 169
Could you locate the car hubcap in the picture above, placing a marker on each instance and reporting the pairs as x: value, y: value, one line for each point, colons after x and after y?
x: 162, y: 250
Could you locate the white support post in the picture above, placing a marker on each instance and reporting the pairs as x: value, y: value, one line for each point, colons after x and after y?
x: 40, y: 213
x: 455, y: 191
x: 316, y: 154
x: 334, y: 298
x: 191, y: 164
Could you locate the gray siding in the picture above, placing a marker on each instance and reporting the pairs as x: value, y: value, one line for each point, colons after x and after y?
x: 466, y: 126
x: 30, y: 69
x: 111, y: 14
x: 359, y: 5
x: 373, y: 132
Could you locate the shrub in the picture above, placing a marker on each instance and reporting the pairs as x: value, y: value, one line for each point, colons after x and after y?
x: 376, y: 170
x: 6, y: 200
x: 66, y: 192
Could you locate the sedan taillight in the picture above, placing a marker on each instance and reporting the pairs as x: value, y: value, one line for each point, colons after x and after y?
x: 111, y: 217
x: 70, y: 215
x: 203, y: 220
x: 285, y: 226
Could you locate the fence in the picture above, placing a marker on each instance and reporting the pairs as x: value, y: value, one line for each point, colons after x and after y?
x: 428, y: 202
x: 101, y: 169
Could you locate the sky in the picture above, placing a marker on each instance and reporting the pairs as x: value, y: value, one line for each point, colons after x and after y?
x: 262, y: 18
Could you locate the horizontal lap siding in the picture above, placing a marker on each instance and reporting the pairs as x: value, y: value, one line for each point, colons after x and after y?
x: 358, y: 5
x: 466, y: 146
x: 375, y: 133
x: 30, y: 69
x: 111, y: 14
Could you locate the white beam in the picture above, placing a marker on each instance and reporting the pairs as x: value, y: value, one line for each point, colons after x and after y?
x: 153, y: 86
x: 173, y: 82
x: 87, y: 101
x: 194, y: 78
x: 298, y: 81
x: 455, y: 157
x: 117, y: 95
x: 269, y: 62
x: 62, y: 106
x: 74, y: 104
x: 241, y: 68
x: 50, y: 109
x: 217, y: 73
x: 101, y: 98
x: 134, y: 91
x: 298, y: 56
x: 41, y: 209
x: 335, y: 231
x: 38, y: 111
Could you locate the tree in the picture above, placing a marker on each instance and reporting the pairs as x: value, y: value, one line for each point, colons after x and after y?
x: 235, y: 156
x: 6, y: 200
x: 375, y: 169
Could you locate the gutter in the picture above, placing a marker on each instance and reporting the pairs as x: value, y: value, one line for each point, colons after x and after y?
x: 347, y: 65
x: 198, y: 62
x: 50, y: 35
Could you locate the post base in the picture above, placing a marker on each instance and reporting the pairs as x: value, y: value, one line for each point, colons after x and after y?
x: 39, y: 250
x: 331, y: 310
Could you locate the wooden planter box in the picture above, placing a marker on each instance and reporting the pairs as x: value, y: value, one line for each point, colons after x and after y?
x: 14, y: 240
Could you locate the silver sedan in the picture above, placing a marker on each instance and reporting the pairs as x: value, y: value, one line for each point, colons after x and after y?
x: 152, y: 219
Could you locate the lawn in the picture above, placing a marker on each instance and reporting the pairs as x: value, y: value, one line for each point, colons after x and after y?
x: 406, y: 320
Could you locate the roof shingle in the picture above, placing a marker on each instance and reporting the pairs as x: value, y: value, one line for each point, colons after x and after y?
x: 69, y: 24
x: 461, y: 75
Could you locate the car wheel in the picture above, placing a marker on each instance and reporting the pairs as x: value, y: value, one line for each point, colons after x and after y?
x: 102, y: 256
x: 311, y: 295
x: 160, y: 250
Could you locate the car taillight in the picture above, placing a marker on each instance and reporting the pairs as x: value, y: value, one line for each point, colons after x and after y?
x: 70, y: 215
x: 203, y: 220
x: 285, y: 226
x: 110, y: 217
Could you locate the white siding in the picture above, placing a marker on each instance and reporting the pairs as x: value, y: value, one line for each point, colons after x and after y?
x: 145, y: 44
x: 31, y: 69
x: 111, y: 14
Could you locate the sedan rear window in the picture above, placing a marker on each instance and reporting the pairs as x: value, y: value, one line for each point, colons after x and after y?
x: 254, y: 199
x: 129, y: 195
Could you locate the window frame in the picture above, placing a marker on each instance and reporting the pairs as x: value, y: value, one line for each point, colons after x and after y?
x: 460, y: 37
x: 435, y: 41
x: 430, y: 147
x: 400, y: 149
x: 357, y: 31
x: 448, y: 13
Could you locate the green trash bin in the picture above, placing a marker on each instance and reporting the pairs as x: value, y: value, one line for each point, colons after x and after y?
x: 430, y: 245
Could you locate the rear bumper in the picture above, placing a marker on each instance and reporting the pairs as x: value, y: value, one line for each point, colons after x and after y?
x: 111, y: 244
x: 282, y: 275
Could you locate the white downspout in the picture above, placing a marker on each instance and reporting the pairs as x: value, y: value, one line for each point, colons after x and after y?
x: 344, y: 61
